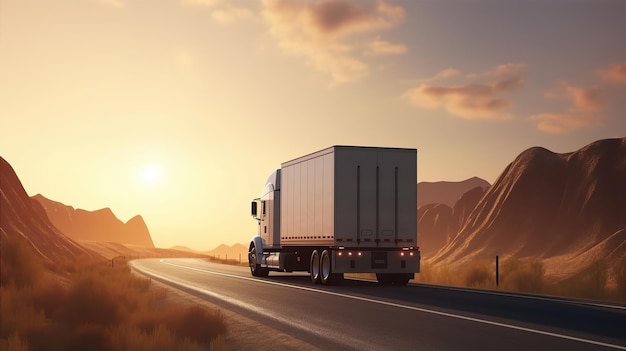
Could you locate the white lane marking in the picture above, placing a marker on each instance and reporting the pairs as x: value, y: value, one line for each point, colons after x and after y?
x: 359, y: 298
x: 302, y: 325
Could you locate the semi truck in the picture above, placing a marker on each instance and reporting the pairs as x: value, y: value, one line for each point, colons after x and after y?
x: 343, y: 209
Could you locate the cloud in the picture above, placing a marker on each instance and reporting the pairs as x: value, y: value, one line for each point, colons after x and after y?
x: 503, y: 70
x: 586, y: 99
x: 506, y: 69
x: 586, y: 104
x: 223, y: 12
x: 114, y: 3
x: 470, y: 100
x: 209, y: 3
x: 381, y: 47
x: 446, y: 73
x: 614, y: 74
x: 324, y: 31
x: 231, y: 14
x: 560, y: 123
x: 335, y: 17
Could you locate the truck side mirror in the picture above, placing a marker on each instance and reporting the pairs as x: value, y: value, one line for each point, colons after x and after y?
x: 254, y: 209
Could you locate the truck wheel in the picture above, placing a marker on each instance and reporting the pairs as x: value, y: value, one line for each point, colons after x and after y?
x: 315, y: 267
x: 401, y: 279
x: 384, y: 278
x: 256, y: 268
x: 326, y: 270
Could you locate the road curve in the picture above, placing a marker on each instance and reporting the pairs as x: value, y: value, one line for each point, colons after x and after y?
x: 361, y: 315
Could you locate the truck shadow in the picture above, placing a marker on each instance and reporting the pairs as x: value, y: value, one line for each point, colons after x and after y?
x: 304, y: 280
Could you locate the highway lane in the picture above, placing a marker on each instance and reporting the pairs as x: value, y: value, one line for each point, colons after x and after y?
x: 362, y: 315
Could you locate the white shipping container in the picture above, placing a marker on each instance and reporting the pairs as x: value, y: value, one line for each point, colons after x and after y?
x: 350, y: 196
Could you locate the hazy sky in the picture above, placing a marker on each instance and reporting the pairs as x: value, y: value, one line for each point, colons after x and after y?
x: 178, y: 110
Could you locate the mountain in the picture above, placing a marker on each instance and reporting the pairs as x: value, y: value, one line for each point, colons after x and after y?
x: 183, y: 248
x: 568, y: 208
x: 235, y: 252
x: 112, y: 250
x: 100, y: 225
x: 21, y: 216
x: 439, y: 223
x: 433, y: 222
x: 446, y: 193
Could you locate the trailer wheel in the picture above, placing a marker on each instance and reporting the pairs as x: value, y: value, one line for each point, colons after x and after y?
x: 326, y: 270
x: 256, y: 268
x: 315, y: 267
x: 401, y: 279
x: 384, y: 278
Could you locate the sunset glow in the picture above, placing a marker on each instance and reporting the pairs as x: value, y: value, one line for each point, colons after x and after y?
x: 152, y: 176
x: 178, y: 110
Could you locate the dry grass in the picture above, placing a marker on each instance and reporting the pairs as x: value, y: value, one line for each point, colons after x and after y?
x: 20, y: 267
x: 14, y: 343
x: 437, y: 274
x: 99, y: 308
x: 529, y: 276
x: 526, y: 276
x: 619, y: 272
x: 590, y: 283
x: 479, y: 275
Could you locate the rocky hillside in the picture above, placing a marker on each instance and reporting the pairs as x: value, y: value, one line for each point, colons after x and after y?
x: 438, y: 224
x: 567, y: 207
x: 447, y: 193
x: 22, y: 216
x: 100, y: 225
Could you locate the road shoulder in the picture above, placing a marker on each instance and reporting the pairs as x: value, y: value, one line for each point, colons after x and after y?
x: 243, y: 333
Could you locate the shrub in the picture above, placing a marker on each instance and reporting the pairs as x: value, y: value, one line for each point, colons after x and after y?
x: 597, y: 279
x: 437, y: 274
x: 54, y: 337
x: 91, y: 300
x: 479, y: 275
x: 589, y: 284
x: 21, y: 266
x: 17, y: 315
x: 14, y: 343
x: 127, y: 337
x: 523, y: 275
x: 102, y: 308
x: 219, y: 344
x: 620, y: 280
x: 196, y: 323
x: 51, y: 298
x: 89, y: 337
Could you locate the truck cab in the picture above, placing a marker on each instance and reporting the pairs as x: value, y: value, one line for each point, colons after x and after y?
x: 266, y: 210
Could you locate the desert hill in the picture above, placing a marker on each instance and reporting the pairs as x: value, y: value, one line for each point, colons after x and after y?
x: 183, y: 248
x: 569, y: 209
x: 447, y: 193
x: 24, y: 216
x: 438, y: 224
x: 21, y: 216
x: 129, y: 251
x: 100, y: 225
x: 234, y: 252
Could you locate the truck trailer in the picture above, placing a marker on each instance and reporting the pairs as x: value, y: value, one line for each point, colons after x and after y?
x: 344, y: 209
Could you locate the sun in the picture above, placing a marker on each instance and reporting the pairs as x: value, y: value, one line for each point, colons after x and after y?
x: 152, y: 176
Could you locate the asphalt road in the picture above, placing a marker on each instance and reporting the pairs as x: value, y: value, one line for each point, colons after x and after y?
x: 361, y: 315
